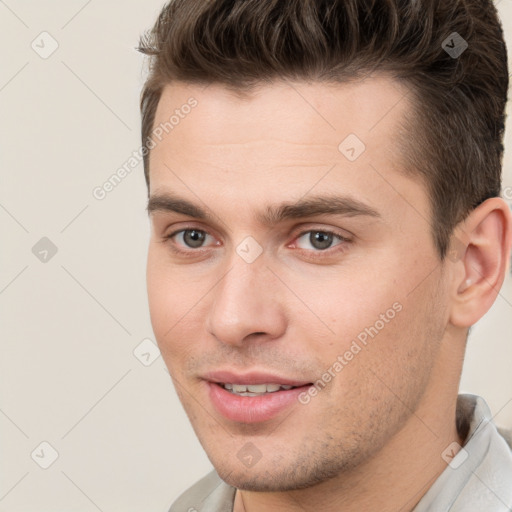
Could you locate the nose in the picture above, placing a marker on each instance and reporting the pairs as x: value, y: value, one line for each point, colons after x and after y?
x: 246, y: 305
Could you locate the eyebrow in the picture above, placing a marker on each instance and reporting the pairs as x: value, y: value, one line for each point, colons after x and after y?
x: 272, y: 215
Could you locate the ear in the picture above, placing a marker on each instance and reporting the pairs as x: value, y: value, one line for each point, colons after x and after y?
x: 482, y: 244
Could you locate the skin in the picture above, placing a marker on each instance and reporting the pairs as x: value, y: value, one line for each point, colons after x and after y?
x: 381, y: 423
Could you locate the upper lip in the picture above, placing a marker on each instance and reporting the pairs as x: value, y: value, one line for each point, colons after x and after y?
x: 251, y: 378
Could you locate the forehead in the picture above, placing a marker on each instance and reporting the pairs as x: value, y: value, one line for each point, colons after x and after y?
x: 284, y: 136
x: 310, y: 113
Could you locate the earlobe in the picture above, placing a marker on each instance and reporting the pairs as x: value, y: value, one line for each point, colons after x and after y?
x: 482, y: 265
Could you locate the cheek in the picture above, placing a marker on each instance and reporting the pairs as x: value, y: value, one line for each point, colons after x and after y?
x: 176, y: 306
x: 342, y: 308
x: 397, y: 356
x: 384, y: 377
x: 159, y: 298
x: 372, y: 323
x: 166, y: 298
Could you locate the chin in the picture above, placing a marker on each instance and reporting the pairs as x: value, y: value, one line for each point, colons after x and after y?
x: 276, y: 480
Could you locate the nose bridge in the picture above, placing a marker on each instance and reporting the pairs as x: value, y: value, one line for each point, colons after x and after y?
x: 244, y: 303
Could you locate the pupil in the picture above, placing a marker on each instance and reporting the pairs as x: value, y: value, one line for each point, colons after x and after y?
x: 320, y: 240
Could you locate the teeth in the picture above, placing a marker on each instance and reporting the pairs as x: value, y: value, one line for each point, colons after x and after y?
x: 254, y: 389
x: 261, y: 388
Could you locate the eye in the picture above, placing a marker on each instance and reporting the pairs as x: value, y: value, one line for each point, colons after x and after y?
x: 319, y: 240
x: 190, y: 238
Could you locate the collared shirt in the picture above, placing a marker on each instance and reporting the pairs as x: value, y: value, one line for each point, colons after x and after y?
x: 477, y: 479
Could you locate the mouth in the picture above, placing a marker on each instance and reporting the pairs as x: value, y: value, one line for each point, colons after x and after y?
x: 252, y: 397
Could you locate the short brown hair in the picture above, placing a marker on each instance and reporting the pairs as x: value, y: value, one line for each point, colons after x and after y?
x: 454, y: 138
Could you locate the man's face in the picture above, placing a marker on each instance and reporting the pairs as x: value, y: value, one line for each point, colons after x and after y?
x: 350, y: 299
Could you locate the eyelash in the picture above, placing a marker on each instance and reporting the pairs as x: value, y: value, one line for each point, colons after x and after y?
x: 340, y: 247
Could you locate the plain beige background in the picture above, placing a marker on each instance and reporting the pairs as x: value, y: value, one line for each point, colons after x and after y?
x: 73, y: 372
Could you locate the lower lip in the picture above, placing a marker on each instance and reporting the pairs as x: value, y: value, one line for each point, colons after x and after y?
x: 253, y: 409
